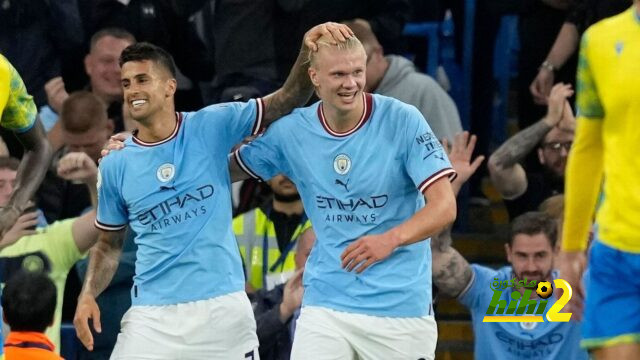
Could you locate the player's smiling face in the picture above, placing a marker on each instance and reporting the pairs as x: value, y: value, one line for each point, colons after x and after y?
x: 339, y: 77
x: 147, y: 88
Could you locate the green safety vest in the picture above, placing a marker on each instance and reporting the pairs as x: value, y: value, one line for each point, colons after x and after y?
x: 250, y: 229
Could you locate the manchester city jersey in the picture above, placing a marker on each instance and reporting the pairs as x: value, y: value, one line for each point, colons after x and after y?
x: 521, y: 340
x: 363, y: 181
x: 175, y: 194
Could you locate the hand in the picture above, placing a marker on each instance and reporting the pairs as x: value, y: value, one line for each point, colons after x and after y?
x: 568, y: 121
x: 8, y: 217
x: 338, y: 32
x: 77, y: 166
x: 292, y: 297
x: 22, y: 227
x: 555, y: 104
x: 460, y: 157
x: 56, y: 93
x: 541, y: 86
x: 571, y: 267
x: 87, y: 309
x: 368, y: 250
x: 116, y: 142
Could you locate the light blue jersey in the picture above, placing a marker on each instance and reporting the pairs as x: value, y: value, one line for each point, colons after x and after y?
x: 516, y: 341
x: 175, y: 194
x: 364, y: 181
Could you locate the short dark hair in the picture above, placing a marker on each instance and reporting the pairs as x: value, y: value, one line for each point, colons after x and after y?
x: 115, y: 32
x: 29, y: 301
x: 7, y: 162
x: 146, y: 51
x: 83, y: 111
x: 533, y: 223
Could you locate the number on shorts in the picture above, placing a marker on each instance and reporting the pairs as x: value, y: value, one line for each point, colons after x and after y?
x: 250, y: 355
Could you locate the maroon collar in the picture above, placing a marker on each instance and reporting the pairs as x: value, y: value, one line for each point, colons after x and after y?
x: 366, y: 114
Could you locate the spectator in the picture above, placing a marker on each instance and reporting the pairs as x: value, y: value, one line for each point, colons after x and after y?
x: 523, y: 191
x: 395, y: 76
x: 584, y: 13
x: 268, y: 236
x: 101, y: 65
x: 164, y: 23
x: 84, y: 128
x: 29, y: 302
x: 55, y: 248
x: 275, y: 310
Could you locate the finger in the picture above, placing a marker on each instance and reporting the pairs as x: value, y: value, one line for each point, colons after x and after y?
x: 95, y: 315
x: 336, y: 34
x: 120, y: 137
x: 349, y: 256
x: 445, y: 145
x: 365, y: 265
x: 28, y: 216
x: 358, y: 260
x: 24, y: 233
x: 82, y: 330
x: 471, y: 145
x: 28, y: 224
x: 354, y: 245
x: 533, y: 89
x: 476, y: 163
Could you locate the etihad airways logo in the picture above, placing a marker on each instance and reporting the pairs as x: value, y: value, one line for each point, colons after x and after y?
x: 353, y: 204
x: 177, y: 209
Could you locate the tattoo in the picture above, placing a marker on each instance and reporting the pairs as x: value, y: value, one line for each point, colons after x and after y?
x: 519, y: 145
x: 451, y: 272
x: 103, y: 262
x: 295, y: 92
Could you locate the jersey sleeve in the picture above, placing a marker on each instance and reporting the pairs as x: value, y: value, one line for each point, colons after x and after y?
x: 112, y: 214
x: 426, y: 160
x: 227, y: 124
x: 476, y: 292
x: 18, y: 109
x: 262, y: 158
x: 587, y: 97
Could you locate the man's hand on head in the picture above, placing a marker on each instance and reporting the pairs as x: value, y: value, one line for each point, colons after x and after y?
x: 337, y: 32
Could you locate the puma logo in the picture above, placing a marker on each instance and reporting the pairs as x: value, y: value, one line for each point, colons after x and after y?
x: 339, y: 182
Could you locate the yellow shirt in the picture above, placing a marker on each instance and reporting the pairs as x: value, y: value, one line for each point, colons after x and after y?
x: 607, y: 144
x: 17, y: 109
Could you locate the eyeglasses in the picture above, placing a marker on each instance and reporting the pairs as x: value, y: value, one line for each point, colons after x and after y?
x: 556, y: 146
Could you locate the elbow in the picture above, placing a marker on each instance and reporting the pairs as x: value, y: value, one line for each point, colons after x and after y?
x: 493, y: 165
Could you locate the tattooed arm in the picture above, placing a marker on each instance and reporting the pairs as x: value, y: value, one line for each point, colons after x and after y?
x: 103, y: 263
x: 507, y: 175
x: 297, y: 89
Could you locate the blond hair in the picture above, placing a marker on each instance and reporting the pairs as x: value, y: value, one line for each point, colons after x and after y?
x: 327, y: 41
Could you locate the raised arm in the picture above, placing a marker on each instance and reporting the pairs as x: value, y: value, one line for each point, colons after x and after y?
x: 103, y: 263
x: 79, y: 166
x: 32, y: 169
x: 507, y: 175
x: 297, y: 89
x: 451, y: 271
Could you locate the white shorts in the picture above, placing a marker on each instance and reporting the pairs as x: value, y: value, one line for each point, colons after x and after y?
x: 325, y: 334
x: 218, y: 328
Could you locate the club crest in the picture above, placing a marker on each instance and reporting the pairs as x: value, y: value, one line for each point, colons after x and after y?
x: 342, y: 164
x: 166, y: 172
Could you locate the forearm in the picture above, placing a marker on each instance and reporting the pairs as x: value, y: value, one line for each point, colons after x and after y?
x: 93, y: 191
x: 33, y: 166
x: 565, y: 45
x: 518, y: 146
x: 103, y: 263
x: 429, y: 221
x: 584, y: 174
x: 295, y: 92
x: 451, y: 272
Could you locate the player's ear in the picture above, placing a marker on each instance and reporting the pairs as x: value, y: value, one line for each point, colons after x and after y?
x: 313, y: 75
x: 170, y: 87
x: 507, y: 250
x: 540, y: 156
